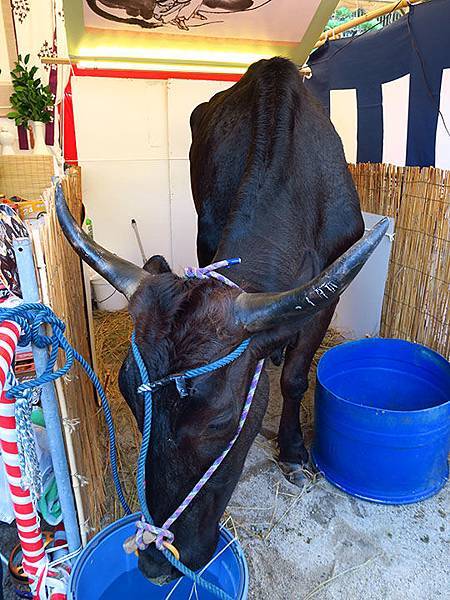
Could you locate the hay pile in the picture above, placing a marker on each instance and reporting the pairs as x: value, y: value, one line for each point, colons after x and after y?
x: 112, y: 336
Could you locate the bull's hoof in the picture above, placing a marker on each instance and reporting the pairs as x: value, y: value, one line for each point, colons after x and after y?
x: 294, y: 473
x: 298, y: 474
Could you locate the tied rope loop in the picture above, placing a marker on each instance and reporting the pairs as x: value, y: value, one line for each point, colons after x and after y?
x: 147, y: 388
x: 209, y: 272
x: 161, y: 535
x: 32, y: 318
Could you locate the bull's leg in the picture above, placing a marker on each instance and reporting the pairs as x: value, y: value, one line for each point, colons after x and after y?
x: 294, y: 383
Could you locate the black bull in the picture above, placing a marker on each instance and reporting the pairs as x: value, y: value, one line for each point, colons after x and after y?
x: 271, y: 186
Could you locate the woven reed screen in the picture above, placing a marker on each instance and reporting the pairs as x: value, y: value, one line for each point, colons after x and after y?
x: 416, y: 300
x: 25, y: 175
x: 67, y: 299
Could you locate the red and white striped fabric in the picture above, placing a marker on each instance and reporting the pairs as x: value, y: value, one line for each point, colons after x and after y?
x: 35, y: 562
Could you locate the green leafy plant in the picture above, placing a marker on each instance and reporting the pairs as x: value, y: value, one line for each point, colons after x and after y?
x: 342, y: 15
x: 31, y: 99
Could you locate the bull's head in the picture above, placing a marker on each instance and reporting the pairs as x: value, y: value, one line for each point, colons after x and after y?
x: 183, y: 323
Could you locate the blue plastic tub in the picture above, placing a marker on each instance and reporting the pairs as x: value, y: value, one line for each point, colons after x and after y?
x: 105, y: 572
x: 382, y: 420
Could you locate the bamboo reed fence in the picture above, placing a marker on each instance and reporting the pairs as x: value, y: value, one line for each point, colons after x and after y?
x: 67, y: 299
x: 25, y: 175
x: 416, y: 300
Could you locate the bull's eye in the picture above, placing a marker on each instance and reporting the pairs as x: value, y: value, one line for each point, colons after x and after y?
x: 221, y: 422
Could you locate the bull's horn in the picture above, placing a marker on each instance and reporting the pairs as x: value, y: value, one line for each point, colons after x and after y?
x: 260, y: 311
x: 121, y: 274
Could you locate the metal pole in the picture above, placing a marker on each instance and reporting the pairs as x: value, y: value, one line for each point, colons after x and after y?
x: 134, y: 225
x: 30, y: 293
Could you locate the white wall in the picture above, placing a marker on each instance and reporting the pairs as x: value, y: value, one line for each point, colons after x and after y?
x: 4, y: 59
x: 133, y: 141
x: 122, y: 141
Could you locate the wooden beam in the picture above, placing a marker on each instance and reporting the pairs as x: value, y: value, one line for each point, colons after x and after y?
x: 306, y: 71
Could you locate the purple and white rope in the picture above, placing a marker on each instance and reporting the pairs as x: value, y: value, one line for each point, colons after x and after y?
x: 209, y: 272
x: 216, y: 464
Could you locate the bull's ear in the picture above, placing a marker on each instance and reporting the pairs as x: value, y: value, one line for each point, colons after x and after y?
x: 156, y: 265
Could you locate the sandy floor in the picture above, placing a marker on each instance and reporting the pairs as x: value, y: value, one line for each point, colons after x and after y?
x: 319, y: 542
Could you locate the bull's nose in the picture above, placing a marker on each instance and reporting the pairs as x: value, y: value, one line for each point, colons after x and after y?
x: 156, y: 568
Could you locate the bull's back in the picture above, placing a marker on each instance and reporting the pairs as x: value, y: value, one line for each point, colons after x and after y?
x: 266, y: 146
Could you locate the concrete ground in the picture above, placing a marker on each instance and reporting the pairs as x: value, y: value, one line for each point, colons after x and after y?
x: 8, y: 539
x: 318, y: 542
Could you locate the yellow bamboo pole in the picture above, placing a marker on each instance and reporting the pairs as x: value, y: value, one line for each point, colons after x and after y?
x: 374, y: 14
x: 50, y: 60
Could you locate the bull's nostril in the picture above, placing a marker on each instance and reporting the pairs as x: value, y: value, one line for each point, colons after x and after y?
x: 161, y: 580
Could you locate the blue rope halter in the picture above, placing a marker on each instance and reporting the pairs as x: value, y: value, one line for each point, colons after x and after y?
x: 147, y: 388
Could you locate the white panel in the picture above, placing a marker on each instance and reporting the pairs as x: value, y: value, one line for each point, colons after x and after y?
x: 358, y: 313
x: 115, y: 192
x: 344, y: 116
x: 442, y: 159
x: 184, y: 217
x: 266, y: 20
x: 183, y: 97
x: 119, y: 118
x: 395, y: 120
x: 121, y: 129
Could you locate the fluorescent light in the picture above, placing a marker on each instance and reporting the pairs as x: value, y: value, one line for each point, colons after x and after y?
x: 132, y: 66
x: 176, y: 54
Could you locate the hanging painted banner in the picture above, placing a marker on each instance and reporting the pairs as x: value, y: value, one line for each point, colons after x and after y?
x: 248, y: 19
x: 220, y: 32
x: 37, y: 29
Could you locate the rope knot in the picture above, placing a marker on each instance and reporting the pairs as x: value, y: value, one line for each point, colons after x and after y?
x: 147, y: 533
x: 32, y: 318
x: 209, y: 272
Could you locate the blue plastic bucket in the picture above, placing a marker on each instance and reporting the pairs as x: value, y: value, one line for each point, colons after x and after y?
x: 382, y: 420
x: 104, y: 571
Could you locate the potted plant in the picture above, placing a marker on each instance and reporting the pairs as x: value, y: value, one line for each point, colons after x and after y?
x: 32, y: 102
